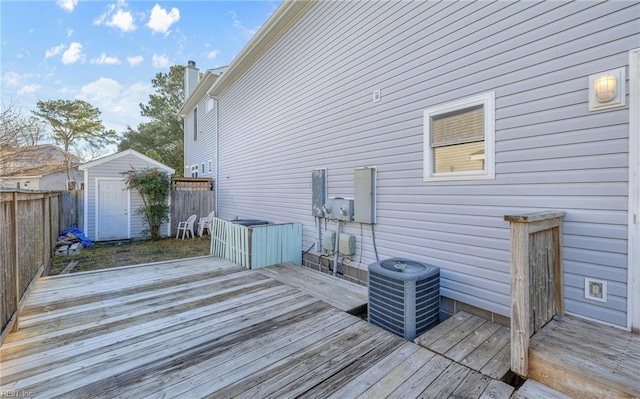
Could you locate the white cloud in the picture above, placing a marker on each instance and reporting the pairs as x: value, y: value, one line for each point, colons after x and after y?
x: 73, y: 54
x: 104, y: 59
x: 67, y: 5
x: 160, y: 20
x: 213, y: 54
x: 101, y: 88
x: 160, y: 61
x: 119, y: 103
x: 11, y: 79
x: 69, y: 32
x: 238, y: 24
x: 53, y: 51
x: 133, y: 61
x: 28, y: 89
x: 122, y: 20
x: 117, y: 18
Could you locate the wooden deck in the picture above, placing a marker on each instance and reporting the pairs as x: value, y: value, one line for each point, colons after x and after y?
x: 472, y: 341
x: 586, y: 360
x: 208, y: 328
x: 346, y: 296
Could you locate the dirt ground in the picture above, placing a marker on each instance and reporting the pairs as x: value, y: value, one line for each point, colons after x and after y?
x: 123, y: 253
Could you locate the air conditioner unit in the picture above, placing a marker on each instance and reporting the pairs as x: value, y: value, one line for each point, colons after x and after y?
x: 404, y: 296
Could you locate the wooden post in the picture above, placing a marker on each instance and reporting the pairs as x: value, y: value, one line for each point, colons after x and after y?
x: 521, y: 228
x: 16, y: 258
x: 44, y: 229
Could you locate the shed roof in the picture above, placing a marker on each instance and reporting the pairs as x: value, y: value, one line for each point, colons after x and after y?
x: 124, y: 153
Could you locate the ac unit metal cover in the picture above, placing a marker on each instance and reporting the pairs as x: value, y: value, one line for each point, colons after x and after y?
x: 404, y: 296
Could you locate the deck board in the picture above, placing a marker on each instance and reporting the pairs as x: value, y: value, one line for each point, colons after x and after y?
x: 583, y: 358
x: 346, y: 296
x: 208, y: 328
x: 479, y: 344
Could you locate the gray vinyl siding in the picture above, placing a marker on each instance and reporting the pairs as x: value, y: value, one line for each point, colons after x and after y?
x: 112, y: 170
x: 306, y: 103
x: 204, y: 148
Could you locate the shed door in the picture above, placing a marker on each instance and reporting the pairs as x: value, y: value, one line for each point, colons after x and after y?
x: 112, y: 211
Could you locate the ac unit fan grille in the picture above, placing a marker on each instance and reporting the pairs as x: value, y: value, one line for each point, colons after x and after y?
x: 403, y: 309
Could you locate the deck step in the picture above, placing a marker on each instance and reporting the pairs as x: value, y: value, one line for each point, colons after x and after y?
x: 584, y: 359
x: 532, y: 389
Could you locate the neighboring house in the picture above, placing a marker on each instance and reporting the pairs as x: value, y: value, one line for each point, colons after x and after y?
x: 342, y: 85
x: 42, y: 167
x: 200, y: 118
x: 110, y: 208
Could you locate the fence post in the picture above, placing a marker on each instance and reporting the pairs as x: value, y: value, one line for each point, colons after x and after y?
x: 523, y: 295
x: 16, y: 259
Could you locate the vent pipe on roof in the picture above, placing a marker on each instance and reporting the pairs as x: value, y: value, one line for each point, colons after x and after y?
x: 190, y: 78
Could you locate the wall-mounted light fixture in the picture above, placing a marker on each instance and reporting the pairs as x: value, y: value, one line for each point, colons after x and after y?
x: 607, y: 89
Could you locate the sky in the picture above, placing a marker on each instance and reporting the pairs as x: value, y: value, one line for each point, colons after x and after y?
x: 106, y: 53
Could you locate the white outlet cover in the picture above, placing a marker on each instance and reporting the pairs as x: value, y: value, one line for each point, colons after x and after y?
x: 595, y: 289
x: 376, y: 96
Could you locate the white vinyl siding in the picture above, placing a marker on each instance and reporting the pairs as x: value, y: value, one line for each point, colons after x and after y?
x: 306, y: 103
x: 203, y: 149
x: 112, y: 170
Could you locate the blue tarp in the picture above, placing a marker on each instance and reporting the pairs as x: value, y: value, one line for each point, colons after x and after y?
x: 78, y: 233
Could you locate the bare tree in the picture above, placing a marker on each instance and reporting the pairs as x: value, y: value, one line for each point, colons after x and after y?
x: 88, y: 153
x: 18, y: 130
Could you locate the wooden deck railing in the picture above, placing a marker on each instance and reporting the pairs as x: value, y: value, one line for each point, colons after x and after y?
x: 536, y: 279
x: 28, y: 229
x: 256, y: 246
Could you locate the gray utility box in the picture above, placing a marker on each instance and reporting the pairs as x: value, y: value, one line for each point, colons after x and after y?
x: 364, y: 208
x: 318, y: 191
x: 404, y: 296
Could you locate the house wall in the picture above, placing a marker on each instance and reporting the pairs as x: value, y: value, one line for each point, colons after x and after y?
x: 306, y: 103
x: 50, y: 182
x: 113, y: 169
x: 203, y: 149
x: 58, y: 181
x: 11, y: 183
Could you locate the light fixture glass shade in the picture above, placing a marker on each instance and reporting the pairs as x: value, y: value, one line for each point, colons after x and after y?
x: 605, y: 88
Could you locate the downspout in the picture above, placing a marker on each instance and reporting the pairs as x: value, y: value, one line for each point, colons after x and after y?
x: 216, y: 186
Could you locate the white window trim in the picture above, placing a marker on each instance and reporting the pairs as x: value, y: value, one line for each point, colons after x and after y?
x: 488, y: 100
x: 210, y: 165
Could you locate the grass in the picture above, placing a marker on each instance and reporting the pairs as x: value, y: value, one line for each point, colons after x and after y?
x: 105, y: 255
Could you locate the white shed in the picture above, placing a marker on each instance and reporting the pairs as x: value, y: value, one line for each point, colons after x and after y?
x: 110, y: 208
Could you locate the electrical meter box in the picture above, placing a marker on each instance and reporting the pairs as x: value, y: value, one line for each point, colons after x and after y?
x: 318, y: 191
x: 339, y: 209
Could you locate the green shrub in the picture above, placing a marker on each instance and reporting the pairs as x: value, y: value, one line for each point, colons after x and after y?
x: 154, y: 187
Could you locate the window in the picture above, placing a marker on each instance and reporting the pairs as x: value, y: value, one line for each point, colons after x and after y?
x: 459, y: 140
x: 210, y: 166
x: 195, y: 124
x: 202, y: 169
x: 18, y: 185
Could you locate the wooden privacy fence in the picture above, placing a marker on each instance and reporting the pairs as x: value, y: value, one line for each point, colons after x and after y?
x: 191, y: 184
x: 29, y: 227
x: 256, y: 246
x: 187, y: 203
x: 72, y: 209
x: 536, y: 279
